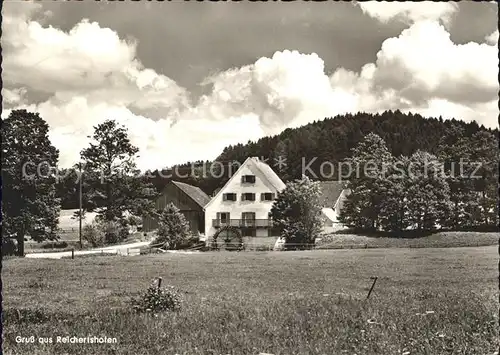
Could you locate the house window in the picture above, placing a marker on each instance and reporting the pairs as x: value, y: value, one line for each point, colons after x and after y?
x: 223, y: 217
x: 229, y: 197
x: 248, y: 196
x: 248, y: 179
x: 248, y: 216
x: 248, y: 219
x: 266, y: 196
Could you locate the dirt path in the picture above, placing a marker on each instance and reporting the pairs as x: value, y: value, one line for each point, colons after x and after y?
x: 116, y: 249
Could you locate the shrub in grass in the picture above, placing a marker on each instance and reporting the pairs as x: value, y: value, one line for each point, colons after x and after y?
x: 93, y: 234
x: 111, y: 231
x: 157, y: 299
x: 173, y: 228
x: 105, y: 232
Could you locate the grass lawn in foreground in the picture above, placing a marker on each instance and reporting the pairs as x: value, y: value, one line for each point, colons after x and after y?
x: 426, y: 301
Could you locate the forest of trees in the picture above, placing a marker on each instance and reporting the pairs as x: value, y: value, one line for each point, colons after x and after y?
x: 423, y: 192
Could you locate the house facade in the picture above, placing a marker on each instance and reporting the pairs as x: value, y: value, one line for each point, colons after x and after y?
x: 244, y: 204
x: 333, y: 196
x: 190, y: 200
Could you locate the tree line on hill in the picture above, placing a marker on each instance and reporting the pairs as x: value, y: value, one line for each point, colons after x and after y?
x: 112, y: 186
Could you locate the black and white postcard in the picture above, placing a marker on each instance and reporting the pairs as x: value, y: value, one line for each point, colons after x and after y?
x: 250, y: 178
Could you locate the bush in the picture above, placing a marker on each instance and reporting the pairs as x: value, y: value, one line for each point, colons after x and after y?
x: 157, y: 299
x: 105, y: 232
x: 173, y: 229
x: 93, y: 234
x: 111, y: 230
x: 123, y: 233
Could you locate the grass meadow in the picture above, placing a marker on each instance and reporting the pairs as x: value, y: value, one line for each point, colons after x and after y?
x: 425, y: 301
x: 451, y: 239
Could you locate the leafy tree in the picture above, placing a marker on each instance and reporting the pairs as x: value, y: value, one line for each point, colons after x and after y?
x: 173, y: 228
x: 393, y: 209
x: 297, y: 213
x: 428, y: 195
x: 471, y: 165
x: 370, y: 162
x: 455, y: 153
x: 68, y: 188
x: 484, y: 153
x: 115, y: 183
x: 29, y: 203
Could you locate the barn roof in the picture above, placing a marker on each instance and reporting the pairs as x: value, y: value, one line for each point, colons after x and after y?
x: 330, y: 192
x: 194, y: 192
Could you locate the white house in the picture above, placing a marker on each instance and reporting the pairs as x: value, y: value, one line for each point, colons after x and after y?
x: 244, y: 203
x: 333, y: 195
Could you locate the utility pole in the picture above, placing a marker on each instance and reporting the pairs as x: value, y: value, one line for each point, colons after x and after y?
x: 80, y: 204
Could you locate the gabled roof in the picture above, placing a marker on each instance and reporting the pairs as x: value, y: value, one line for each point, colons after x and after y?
x: 270, y: 175
x: 196, y: 194
x: 265, y: 170
x: 329, y: 213
x: 330, y: 192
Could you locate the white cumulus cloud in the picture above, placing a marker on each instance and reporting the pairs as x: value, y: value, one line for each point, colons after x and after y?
x: 492, y: 38
x: 88, y: 60
x: 422, y: 70
x: 409, y: 11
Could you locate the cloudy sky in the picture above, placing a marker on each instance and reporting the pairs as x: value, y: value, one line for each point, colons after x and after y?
x: 189, y: 78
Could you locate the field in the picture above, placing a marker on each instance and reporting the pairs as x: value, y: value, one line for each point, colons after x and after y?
x: 67, y: 222
x: 69, y: 231
x: 425, y: 301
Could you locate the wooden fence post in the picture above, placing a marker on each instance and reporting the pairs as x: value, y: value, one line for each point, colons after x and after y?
x: 159, y: 282
x: 373, y: 285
